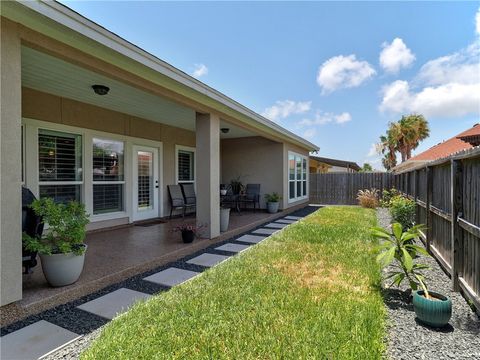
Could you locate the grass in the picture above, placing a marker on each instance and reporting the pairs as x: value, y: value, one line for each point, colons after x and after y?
x: 312, y: 291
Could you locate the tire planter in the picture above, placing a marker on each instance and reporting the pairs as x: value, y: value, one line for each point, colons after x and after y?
x: 224, y: 219
x: 188, y: 236
x: 434, y: 313
x: 272, y: 207
x: 62, y: 269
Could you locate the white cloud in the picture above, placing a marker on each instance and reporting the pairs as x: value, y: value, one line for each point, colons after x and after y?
x: 395, y: 56
x: 343, y: 72
x: 322, y: 118
x: 285, y: 108
x: 460, y: 67
x: 448, y: 86
x: 373, y: 151
x: 309, y: 133
x: 199, y: 70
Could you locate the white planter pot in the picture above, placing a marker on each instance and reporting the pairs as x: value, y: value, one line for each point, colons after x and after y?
x: 272, y: 207
x: 224, y: 219
x: 62, y: 269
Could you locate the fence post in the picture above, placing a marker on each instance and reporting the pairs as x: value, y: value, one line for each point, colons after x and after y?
x: 415, y: 195
x: 429, y: 179
x: 457, y: 234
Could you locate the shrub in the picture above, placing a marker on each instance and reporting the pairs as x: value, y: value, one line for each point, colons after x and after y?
x: 272, y: 198
x: 368, y: 198
x: 66, y: 228
x: 402, y: 210
x: 387, y: 196
x: 398, y: 246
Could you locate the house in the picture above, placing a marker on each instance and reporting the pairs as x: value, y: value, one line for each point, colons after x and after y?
x: 463, y: 141
x: 88, y: 116
x: 322, y: 165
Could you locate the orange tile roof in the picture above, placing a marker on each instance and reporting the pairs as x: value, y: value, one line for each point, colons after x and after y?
x: 450, y: 146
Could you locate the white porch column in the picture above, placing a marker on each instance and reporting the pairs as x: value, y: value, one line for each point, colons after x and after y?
x: 10, y: 164
x: 208, y: 173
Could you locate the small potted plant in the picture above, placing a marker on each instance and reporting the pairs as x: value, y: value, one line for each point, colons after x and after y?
x: 61, y: 247
x: 189, y: 231
x: 236, y: 185
x: 273, y: 202
x: 431, y: 308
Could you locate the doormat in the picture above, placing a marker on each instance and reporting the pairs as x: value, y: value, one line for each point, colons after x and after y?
x: 146, y: 223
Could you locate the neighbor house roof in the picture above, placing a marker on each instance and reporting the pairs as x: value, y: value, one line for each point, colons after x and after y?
x: 65, y: 25
x: 463, y: 141
x: 336, y: 162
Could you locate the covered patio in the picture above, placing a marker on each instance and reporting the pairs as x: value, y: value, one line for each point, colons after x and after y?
x: 116, y: 254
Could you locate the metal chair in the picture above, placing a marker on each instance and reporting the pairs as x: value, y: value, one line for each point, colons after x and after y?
x: 32, y: 225
x: 252, y: 196
x: 177, y: 201
x: 189, y: 194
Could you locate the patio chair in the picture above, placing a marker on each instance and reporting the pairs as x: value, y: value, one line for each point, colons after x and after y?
x: 229, y: 199
x: 189, y: 196
x: 32, y: 225
x: 177, y: 201
x: 252, y: 196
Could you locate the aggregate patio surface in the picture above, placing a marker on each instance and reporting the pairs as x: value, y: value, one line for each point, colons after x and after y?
x: 64, y: 331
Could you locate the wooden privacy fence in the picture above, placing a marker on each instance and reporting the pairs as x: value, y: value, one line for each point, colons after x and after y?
x: 342, y: 188
x: 447, y: 193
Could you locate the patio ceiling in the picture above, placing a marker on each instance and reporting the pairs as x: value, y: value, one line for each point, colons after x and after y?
x: 55, y: 76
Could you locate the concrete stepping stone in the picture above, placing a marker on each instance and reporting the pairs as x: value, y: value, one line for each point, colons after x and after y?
x: 264, y: 231
x: 283, y: 221
x: 276, y: 226
x: 236, y: 248
x: 292, y: 217
x: 171, y: 276
x: 208, y: 260
x: 118, y: 301
x: 34, y: 341
x: 251, y: 239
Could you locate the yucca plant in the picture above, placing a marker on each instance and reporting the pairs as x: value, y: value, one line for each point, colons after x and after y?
x: 368, y: 198
x: 398, y: 246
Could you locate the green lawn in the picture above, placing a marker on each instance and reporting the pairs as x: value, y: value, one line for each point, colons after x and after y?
x: 311, y: 291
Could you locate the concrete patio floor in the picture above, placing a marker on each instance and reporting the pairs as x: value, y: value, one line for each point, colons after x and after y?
x: 117, y: 254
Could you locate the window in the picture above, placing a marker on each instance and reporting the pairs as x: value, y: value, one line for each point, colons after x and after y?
x: 108, y: 176
x: 185, y: 165
x: 297, y: 177
x: 60, y: 165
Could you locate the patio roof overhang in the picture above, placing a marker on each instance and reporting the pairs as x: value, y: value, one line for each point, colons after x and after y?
x: 58, y: 22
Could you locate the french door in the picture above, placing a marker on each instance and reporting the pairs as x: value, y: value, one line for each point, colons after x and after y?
x: 145, y: 183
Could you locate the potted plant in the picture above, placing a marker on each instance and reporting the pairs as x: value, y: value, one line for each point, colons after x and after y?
x: 273, y: 202
x: 236, y: 186
x: 61, y: 246
x: 189, y: 231
x: 431, y: 308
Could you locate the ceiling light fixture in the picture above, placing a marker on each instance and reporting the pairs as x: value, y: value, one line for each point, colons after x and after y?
x: 225, y: 130
x: 100, y: 89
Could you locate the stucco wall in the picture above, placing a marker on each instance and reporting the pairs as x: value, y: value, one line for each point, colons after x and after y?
x: 46, y: 107
x: 256, y: 160
x: 10, y: 169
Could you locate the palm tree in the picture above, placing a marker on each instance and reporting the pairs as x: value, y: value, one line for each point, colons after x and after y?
x: 388, y: 146
x: 417, y: 131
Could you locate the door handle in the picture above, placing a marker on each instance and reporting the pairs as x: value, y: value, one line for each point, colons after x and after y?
x: 156, y: 184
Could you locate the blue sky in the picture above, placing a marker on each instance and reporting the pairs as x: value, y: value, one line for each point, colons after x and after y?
x: 333, y: 72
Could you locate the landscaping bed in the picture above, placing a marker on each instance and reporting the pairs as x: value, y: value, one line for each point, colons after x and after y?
x: 408, y: 339
x: 310, y: 291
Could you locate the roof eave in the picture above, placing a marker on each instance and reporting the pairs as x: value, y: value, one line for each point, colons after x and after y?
x: 78, y: 23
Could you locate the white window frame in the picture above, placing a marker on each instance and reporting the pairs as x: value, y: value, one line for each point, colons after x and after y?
x: 302, y: 157
x: 193, y: 150
x: 110, y: 182
x: 31, y: 127
x: 71, y: 182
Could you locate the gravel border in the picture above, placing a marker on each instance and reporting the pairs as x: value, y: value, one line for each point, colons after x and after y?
x: 81, y: 322
x: 408, y: 339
